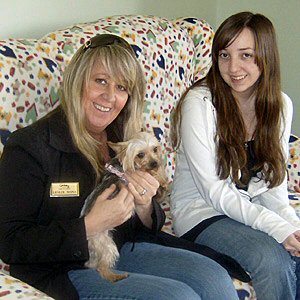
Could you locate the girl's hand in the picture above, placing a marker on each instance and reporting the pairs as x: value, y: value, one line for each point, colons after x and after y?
x: 292, y: 243
x: 109, y: 213
x: 143, y: 187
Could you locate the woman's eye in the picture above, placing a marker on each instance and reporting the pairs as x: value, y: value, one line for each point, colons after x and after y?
x: 122, y: 88
x: 141, y: 155
x: 101, y: 81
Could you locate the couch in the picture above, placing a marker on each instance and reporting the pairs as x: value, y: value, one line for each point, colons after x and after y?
x: 173, y: 54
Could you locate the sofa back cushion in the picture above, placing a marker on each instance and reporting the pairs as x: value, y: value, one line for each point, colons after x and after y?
x: 173, y: 53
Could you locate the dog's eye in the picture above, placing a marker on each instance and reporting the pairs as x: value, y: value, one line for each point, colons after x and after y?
x: 141, y: 155
x: 155, y: 149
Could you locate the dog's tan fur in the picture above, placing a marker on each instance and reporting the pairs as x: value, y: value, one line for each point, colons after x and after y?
x: 141, y: 152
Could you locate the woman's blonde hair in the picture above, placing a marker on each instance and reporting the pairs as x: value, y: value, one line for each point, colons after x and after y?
x: 119, y: 60
x: 231, y: 132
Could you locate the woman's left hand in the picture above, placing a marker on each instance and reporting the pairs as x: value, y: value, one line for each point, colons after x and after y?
x: 143, y: 186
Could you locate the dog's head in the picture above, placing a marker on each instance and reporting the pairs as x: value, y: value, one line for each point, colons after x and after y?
x: 142, y: 152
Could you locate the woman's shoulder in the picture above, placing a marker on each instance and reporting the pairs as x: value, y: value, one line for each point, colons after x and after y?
x: 34, y: 134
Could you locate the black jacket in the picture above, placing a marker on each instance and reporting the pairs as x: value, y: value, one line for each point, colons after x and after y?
x: 42, y: 237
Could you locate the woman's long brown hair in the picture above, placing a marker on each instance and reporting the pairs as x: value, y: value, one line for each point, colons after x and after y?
x: 231, y: 132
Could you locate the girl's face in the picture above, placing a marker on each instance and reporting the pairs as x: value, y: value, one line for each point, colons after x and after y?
x: 103, y: 100
x: 238, y: 67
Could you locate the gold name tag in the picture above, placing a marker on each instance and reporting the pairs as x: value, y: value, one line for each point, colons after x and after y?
x: 64, y: 189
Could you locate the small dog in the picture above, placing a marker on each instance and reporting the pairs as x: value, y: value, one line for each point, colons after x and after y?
x: 141, y: 152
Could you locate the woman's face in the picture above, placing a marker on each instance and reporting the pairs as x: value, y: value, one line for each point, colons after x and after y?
x: 238, y: 67
x: 103, y: 100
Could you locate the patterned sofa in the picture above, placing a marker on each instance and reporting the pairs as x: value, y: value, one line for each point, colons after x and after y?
x: 173, y: 54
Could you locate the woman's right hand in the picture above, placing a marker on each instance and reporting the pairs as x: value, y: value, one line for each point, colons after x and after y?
x: 292, y: 243
x: 109, y: 213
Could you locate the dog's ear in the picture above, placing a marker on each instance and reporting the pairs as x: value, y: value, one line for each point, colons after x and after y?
x: 118, y: 147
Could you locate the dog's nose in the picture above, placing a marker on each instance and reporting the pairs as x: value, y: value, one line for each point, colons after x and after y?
x: 153, y: 164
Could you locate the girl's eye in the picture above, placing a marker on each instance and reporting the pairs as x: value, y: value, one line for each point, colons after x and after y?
x: 223, y: 55
x: 247, y: 55
x: 141, y: 155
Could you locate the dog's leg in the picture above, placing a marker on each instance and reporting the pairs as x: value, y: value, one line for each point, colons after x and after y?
x: 109, y: 275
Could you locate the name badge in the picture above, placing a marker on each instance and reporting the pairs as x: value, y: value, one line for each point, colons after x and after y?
x: 64, y: 189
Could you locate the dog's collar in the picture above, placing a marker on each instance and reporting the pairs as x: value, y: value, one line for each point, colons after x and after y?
x: 110, y: 168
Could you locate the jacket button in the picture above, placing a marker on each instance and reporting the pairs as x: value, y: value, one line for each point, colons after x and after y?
x: 77, y: 253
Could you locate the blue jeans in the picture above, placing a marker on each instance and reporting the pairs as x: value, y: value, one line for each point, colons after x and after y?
x: 158, y: 273
x: 273, y: 270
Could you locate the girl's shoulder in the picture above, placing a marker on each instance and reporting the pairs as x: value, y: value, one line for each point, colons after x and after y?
x: 201, y: 91
x: 200, y: 96
x: 287, y: 107
x: 287, y: 101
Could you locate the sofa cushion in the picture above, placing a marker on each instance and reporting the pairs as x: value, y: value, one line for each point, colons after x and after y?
x: 172, y: 53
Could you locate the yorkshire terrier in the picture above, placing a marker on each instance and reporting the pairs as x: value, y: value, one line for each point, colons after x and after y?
x: 141, y: 152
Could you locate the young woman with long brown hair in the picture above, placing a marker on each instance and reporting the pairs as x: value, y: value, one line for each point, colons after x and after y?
x: 232, y: 131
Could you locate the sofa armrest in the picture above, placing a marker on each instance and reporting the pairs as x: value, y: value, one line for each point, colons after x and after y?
x: 12, y: 288
x: 294, y: 165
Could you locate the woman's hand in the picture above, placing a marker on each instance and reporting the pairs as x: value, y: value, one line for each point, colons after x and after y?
x: 292, y: 243
x: 109, y: 213
x: 144, y: 187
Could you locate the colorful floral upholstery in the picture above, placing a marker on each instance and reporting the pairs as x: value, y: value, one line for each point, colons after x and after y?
x: 173, y: 54
x: 294, y: 165
x: 12, y: 289
x: 294, y: 173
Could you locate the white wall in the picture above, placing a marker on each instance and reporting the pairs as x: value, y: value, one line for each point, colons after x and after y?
x: 34, y: 18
